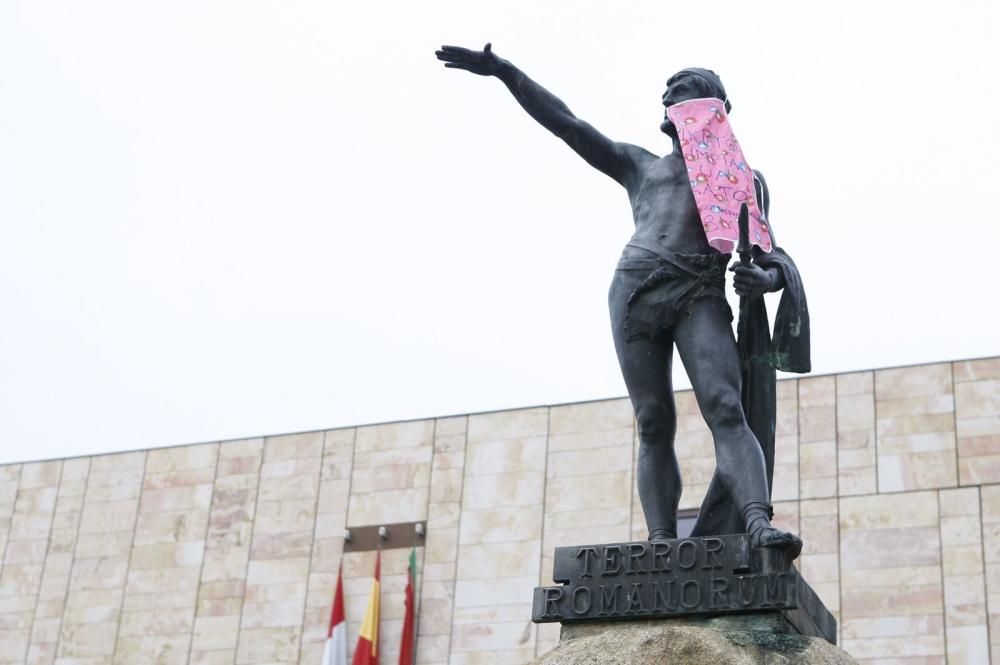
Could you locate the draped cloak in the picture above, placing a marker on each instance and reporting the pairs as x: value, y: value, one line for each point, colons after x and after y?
x: 760, y: 355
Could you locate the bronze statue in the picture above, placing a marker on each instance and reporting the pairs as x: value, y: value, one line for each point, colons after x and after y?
x: 669, y: 290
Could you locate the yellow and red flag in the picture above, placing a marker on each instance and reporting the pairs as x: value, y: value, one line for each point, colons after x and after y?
x: 366, y: 652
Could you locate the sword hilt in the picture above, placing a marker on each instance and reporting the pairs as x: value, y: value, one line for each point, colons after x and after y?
x: 743, y: 223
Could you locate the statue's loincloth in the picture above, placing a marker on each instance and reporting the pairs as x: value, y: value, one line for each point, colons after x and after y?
x: 664, y: 285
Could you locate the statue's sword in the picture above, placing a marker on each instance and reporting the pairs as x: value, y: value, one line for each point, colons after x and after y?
x: 743, y: 246
x: 743, y: 249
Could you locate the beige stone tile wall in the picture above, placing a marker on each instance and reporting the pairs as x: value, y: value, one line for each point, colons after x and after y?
x: 892, y: 600
x: 588, y: 483
x: 164, y: 568
x: 966, y: 632
x: 277, y: 579
x: 915, y: 423
x: 500, y: 538
x: 10, y: 476
x: 58, y: 562
x: 228, y: 553
x: 856, y: 463
x: 977, y: 411
x: 328, y: 540
x: 819, y: 528
x: 817, y: 437
x: 24, y: 560
x: 786, y: 442
x: 99, y: 573
x: 437, y: 579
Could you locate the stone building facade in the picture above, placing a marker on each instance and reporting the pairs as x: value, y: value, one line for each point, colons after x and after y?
x: 228, y: 552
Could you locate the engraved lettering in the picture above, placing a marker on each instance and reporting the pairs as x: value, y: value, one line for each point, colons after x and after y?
x: 662, y: 599
x: 633, y: 603
x: 679, y: 576
x: 690, y: 601
x: 635, y: 553
x: 713, y: 553
x: 586, y: 553
x: 720, y: 593
x: 613, y: 556
x: 661, y: 557
x: 742, y: 558
x: 552, y: 597
x: 579, y: 608
x: 747, y: 583
x: 773, y: 585
x: 609, y: 600
x: 692, y: 557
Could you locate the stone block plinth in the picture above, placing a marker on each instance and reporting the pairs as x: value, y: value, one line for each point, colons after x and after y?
x: 716, y: 576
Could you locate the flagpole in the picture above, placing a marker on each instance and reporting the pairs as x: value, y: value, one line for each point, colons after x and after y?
x: 416, y: 596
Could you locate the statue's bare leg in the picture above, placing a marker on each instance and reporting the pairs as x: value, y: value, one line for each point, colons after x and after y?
x: 646, y: 368
x: 707, y: 348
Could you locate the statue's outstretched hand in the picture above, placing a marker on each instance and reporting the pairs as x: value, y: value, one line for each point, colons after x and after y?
x: 484, y: 63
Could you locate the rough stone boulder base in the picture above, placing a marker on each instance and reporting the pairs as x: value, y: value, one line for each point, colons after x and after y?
x: 748, y: 640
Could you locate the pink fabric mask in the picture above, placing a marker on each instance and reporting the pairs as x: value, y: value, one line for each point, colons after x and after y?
x: 720, y: 177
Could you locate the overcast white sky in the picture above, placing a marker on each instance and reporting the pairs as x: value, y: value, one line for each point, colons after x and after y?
x: 231, y: 218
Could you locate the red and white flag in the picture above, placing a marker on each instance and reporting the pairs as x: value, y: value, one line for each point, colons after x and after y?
x: 335, y: 650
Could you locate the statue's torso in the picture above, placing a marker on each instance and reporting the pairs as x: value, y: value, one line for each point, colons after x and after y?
x: 664, y: 209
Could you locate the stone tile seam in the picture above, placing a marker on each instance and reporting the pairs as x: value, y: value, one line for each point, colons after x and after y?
x: 350, y: 480
x: 633, y: 481
x: 798, y: 445
x: 545, y: 495
x: 347, y: 508
x: 954, y: 425
x: 461, y: 498
x: 878, y: 478
x: 836, y: 452
x: 840, y: 578
x: 253, y: 528
x: 204, y: 549
x: 131, y: 551
x: 312, y: 544
x: 13, y: 507
x: 72, y: 563
x: 418, y: 593
x: 986, y: 590
x: 836, y: 448
x: 944, y: 604
x: 48, y: 545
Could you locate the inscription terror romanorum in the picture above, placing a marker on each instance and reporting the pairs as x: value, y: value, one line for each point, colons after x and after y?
x: 687, y: 585
x: 669, y: 291
x: 708, y: 575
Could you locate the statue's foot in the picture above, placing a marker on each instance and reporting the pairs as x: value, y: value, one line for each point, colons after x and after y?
x: 660, y: 535
x: 768, y: 536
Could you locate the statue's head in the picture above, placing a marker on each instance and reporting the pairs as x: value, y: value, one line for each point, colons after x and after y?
x: 691, y: 83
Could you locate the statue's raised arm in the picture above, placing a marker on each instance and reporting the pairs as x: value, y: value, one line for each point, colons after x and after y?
x: 612, y: 158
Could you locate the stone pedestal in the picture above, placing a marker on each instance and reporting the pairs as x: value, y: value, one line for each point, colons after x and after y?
x: 763, y: 638
x: 689, y: 600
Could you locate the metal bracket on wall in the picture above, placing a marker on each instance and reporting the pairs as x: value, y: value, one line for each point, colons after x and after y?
x: 384, y: 536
